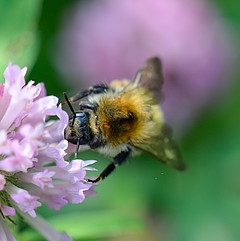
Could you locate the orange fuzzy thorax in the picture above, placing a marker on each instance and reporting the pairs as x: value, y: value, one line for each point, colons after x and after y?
x: 125, y: 117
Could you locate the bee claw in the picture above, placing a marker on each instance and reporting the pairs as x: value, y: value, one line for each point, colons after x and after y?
x: 92, y: 181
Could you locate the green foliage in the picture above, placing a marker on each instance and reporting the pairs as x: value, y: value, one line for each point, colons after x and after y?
x: 19, y: 36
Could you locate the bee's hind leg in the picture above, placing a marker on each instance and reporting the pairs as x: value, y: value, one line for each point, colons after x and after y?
x: 117, y: 160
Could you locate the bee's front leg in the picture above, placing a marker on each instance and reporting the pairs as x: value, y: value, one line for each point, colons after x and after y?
x: 96, y: 89
x: 117, y: 160
x: 86, y: 105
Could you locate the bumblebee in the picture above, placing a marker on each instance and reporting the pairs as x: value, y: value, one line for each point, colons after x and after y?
x: 123, y: 117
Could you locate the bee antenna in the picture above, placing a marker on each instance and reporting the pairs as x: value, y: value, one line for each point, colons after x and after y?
x: 70, y: 106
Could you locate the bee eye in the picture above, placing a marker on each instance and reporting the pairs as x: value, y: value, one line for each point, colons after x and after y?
x: 85, y: 134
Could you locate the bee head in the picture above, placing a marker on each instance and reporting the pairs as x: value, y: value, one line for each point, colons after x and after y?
x: 78, y: 129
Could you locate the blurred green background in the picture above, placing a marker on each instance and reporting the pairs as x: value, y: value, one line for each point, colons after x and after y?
x: 142, y: 200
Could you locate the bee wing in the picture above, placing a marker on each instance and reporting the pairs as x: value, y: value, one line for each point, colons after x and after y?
x: 150, y: 76
x: 163, y: 147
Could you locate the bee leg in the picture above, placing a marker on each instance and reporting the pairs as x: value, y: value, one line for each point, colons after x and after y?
x: 77, y: 148
x: 117, y: 160
x: 83, y: 106
x: 96, y: 89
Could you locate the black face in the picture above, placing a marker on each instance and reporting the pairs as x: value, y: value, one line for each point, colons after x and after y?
x: 79, y: 130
